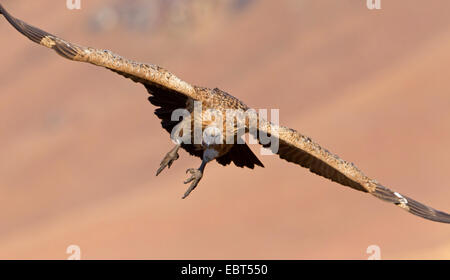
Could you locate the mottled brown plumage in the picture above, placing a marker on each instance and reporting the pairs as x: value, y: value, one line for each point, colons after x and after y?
x: 169, y: 93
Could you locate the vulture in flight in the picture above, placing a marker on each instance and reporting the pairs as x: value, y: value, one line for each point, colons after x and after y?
x: 169, y: 93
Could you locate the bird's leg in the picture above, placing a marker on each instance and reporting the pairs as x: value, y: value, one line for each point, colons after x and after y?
x: 170, y: 157
x: 197, y: 174
x: 178, y: 136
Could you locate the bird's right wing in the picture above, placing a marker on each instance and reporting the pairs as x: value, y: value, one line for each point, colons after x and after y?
x: 299, y: 149
x: 152, y: 76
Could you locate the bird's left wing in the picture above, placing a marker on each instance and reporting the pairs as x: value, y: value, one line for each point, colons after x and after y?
x: 299, y: 149
x: 152, y: 76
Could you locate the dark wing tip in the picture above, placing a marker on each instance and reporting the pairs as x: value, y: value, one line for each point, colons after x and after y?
x: 412, y: 206
x: 426, y: 212
x: 41, y: 37
x: 34, y: 34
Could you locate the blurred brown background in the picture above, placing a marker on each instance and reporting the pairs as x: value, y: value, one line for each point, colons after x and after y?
x: 80, y: 145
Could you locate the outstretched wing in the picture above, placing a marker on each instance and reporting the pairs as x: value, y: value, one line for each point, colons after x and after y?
x: 299, y: 149
x: 168, y: 92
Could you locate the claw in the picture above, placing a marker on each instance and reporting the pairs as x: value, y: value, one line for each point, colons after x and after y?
x: 168, y: 160
x: 195, y: 179
x: 189, y: 180
x: 191, y: 170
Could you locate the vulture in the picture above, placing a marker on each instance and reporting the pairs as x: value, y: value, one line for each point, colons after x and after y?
x: 170, y: 95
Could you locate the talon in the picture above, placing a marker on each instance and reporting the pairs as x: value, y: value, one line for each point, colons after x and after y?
x: 191, y: 170
x: 159, y: 170
x: 195, y: 178
x: 168, y: 160
x: 188, y: 180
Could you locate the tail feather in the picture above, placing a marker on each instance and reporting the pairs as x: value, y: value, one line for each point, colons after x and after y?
x: 412, y: 206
